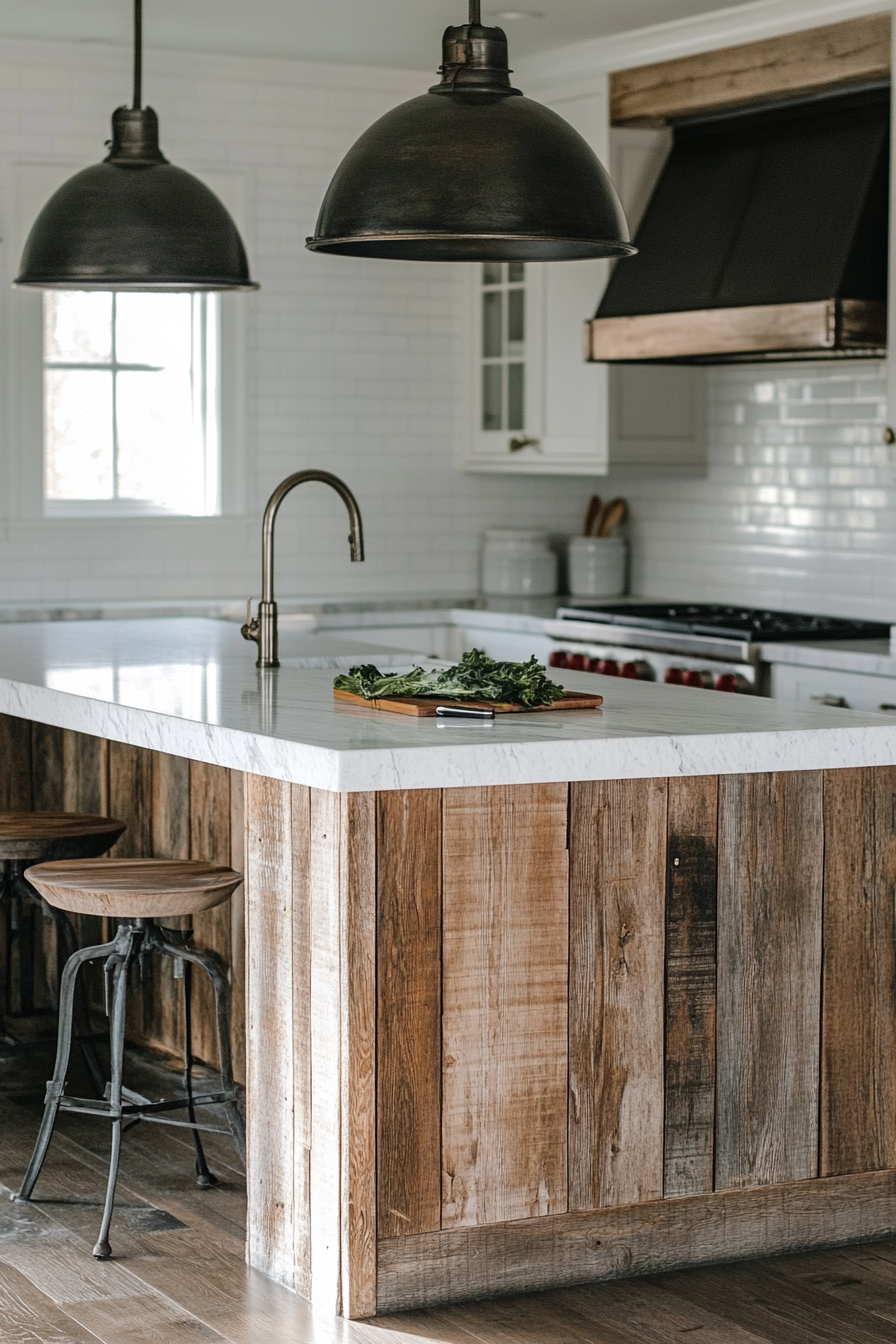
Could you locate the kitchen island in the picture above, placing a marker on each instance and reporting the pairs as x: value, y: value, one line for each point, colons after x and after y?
x: 555, y: 998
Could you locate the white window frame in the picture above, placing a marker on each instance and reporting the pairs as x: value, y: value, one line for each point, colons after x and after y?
x: 28, y: 187
x: 210, y: 411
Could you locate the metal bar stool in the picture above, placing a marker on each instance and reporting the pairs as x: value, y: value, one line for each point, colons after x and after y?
x: 137, y: 892
x: 37, y: 837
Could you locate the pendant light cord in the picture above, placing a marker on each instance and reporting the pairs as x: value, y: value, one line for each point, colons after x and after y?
x: 475, y: 12
x: 138, y: 53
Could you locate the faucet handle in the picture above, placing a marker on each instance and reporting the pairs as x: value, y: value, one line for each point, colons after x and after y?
x: 251, y: 629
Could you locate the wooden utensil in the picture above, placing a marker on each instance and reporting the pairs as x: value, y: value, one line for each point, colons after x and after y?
x: 592, y: 514
x: 611, y: 516
x: 424, y: 707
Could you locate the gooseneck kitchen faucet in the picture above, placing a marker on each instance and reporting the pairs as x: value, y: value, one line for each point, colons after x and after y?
x: 263, y: 627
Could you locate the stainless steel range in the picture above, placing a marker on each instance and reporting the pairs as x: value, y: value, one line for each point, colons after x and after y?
x: 704, y: 645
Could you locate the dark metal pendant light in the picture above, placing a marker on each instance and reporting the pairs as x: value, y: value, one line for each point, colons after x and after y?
x: 472, y: 171
x: 135, y: 221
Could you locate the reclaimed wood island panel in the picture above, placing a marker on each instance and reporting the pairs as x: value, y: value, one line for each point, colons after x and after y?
x: 501, y: 1038
x: 571, y: 997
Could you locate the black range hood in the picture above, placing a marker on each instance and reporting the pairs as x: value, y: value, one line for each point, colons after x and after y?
x: 766, y: 238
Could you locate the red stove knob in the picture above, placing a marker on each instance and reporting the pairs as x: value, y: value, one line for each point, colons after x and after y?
x: 638, y: 671
x: 577, y: 662
x: 608, y: 667
x: 733, y: 682
x: 558, y: 659
x: 674, y: 676
x: 701, y: 681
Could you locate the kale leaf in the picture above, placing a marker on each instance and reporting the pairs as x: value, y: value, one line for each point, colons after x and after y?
x: 475, y: 677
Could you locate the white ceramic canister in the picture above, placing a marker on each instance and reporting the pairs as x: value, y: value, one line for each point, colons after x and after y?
x: 597, y: 566
x: 518, y: 562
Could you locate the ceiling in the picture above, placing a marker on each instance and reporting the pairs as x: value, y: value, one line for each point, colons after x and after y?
x: 369, y: 32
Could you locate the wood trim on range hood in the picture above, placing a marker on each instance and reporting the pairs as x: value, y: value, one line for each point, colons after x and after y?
x: 828, y: 326
x: 835, y: 55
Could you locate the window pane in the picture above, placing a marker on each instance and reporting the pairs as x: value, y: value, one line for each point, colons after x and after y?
x: 492, y: 311
x: 491, y: 273
x: 491, y: 396
x: 516, y: 409
x: 77, y: 327
x: 78, y: 434
x: 160, y: 457
x: 516, y: 272
x: 516, y: 318
x: 154, y: 329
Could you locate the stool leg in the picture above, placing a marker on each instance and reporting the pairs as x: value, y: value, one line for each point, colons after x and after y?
x: 68, y: 944
x: 56, y: 1086
x: 21, y: 939
x: 204, y: 1178
x: 102, y: 1250
x: 214, y: 969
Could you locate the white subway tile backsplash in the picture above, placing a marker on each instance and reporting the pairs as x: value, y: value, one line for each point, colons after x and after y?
x: 799, y: 506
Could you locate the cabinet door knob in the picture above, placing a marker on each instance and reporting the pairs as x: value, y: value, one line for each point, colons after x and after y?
x: 889, y: 435
x: 516, y: 445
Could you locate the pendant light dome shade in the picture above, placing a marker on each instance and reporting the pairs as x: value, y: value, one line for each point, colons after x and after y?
x: 134, y: 221
x: 472, y: 171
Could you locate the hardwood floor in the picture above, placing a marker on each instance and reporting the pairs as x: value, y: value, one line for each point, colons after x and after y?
x: 178, y: 1273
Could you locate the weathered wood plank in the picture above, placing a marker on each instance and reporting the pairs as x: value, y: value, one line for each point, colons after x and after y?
x: 15, y: 764
x: 504, y: 976
x: 343, y: 1051
x: 209, y: 814
x: 48, y: 768
x: 771, y: 855
x: 858, y: 1075
x: 86, y: 773
x: 271, y: 1048
x: 131, y: 798
x: 589, y: 1246
x: 617, y: 917
x: 300, y: 812
x: 691, y: 861
x: 409, y: 1004
x: 238, y: 926
x: 814, y: 58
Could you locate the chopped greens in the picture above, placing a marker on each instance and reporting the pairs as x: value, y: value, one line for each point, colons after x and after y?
x: 475, y: 677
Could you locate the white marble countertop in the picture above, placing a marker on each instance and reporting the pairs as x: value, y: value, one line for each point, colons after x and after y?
x: 190, y: 687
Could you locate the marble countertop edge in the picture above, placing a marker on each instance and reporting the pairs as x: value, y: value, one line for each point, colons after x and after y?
x: 478, y: 763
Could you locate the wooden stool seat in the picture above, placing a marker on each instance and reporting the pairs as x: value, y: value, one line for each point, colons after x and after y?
x: 133, y: 888
x: 40, y: 836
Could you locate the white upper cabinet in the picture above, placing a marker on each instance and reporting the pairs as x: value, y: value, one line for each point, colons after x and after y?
x: 536, y: 406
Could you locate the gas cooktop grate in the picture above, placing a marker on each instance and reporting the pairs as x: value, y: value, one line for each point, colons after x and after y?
x: 754, y: 624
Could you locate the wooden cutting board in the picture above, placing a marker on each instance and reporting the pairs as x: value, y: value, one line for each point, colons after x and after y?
x: 424, y: 707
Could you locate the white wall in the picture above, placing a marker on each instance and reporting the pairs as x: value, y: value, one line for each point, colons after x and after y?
x: 799, y: 507
x: 352, y: 366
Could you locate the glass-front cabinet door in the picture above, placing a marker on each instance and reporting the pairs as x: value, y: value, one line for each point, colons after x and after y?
x: 506, y: 374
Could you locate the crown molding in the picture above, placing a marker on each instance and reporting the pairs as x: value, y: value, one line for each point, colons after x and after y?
x: 585, y: 64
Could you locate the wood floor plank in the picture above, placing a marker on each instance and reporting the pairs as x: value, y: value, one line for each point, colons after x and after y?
x: 409, y: 1011
x: 652, y: 1315
x: 616, y: 1001
x: 771, y: 854
x: 28, y: 1317
x: 690, y: 1086
x: 858, y: 1080
x: 505, y: 893
x: 856, y: 1275
x: 777, y: 1308
x: 147, y: 1319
